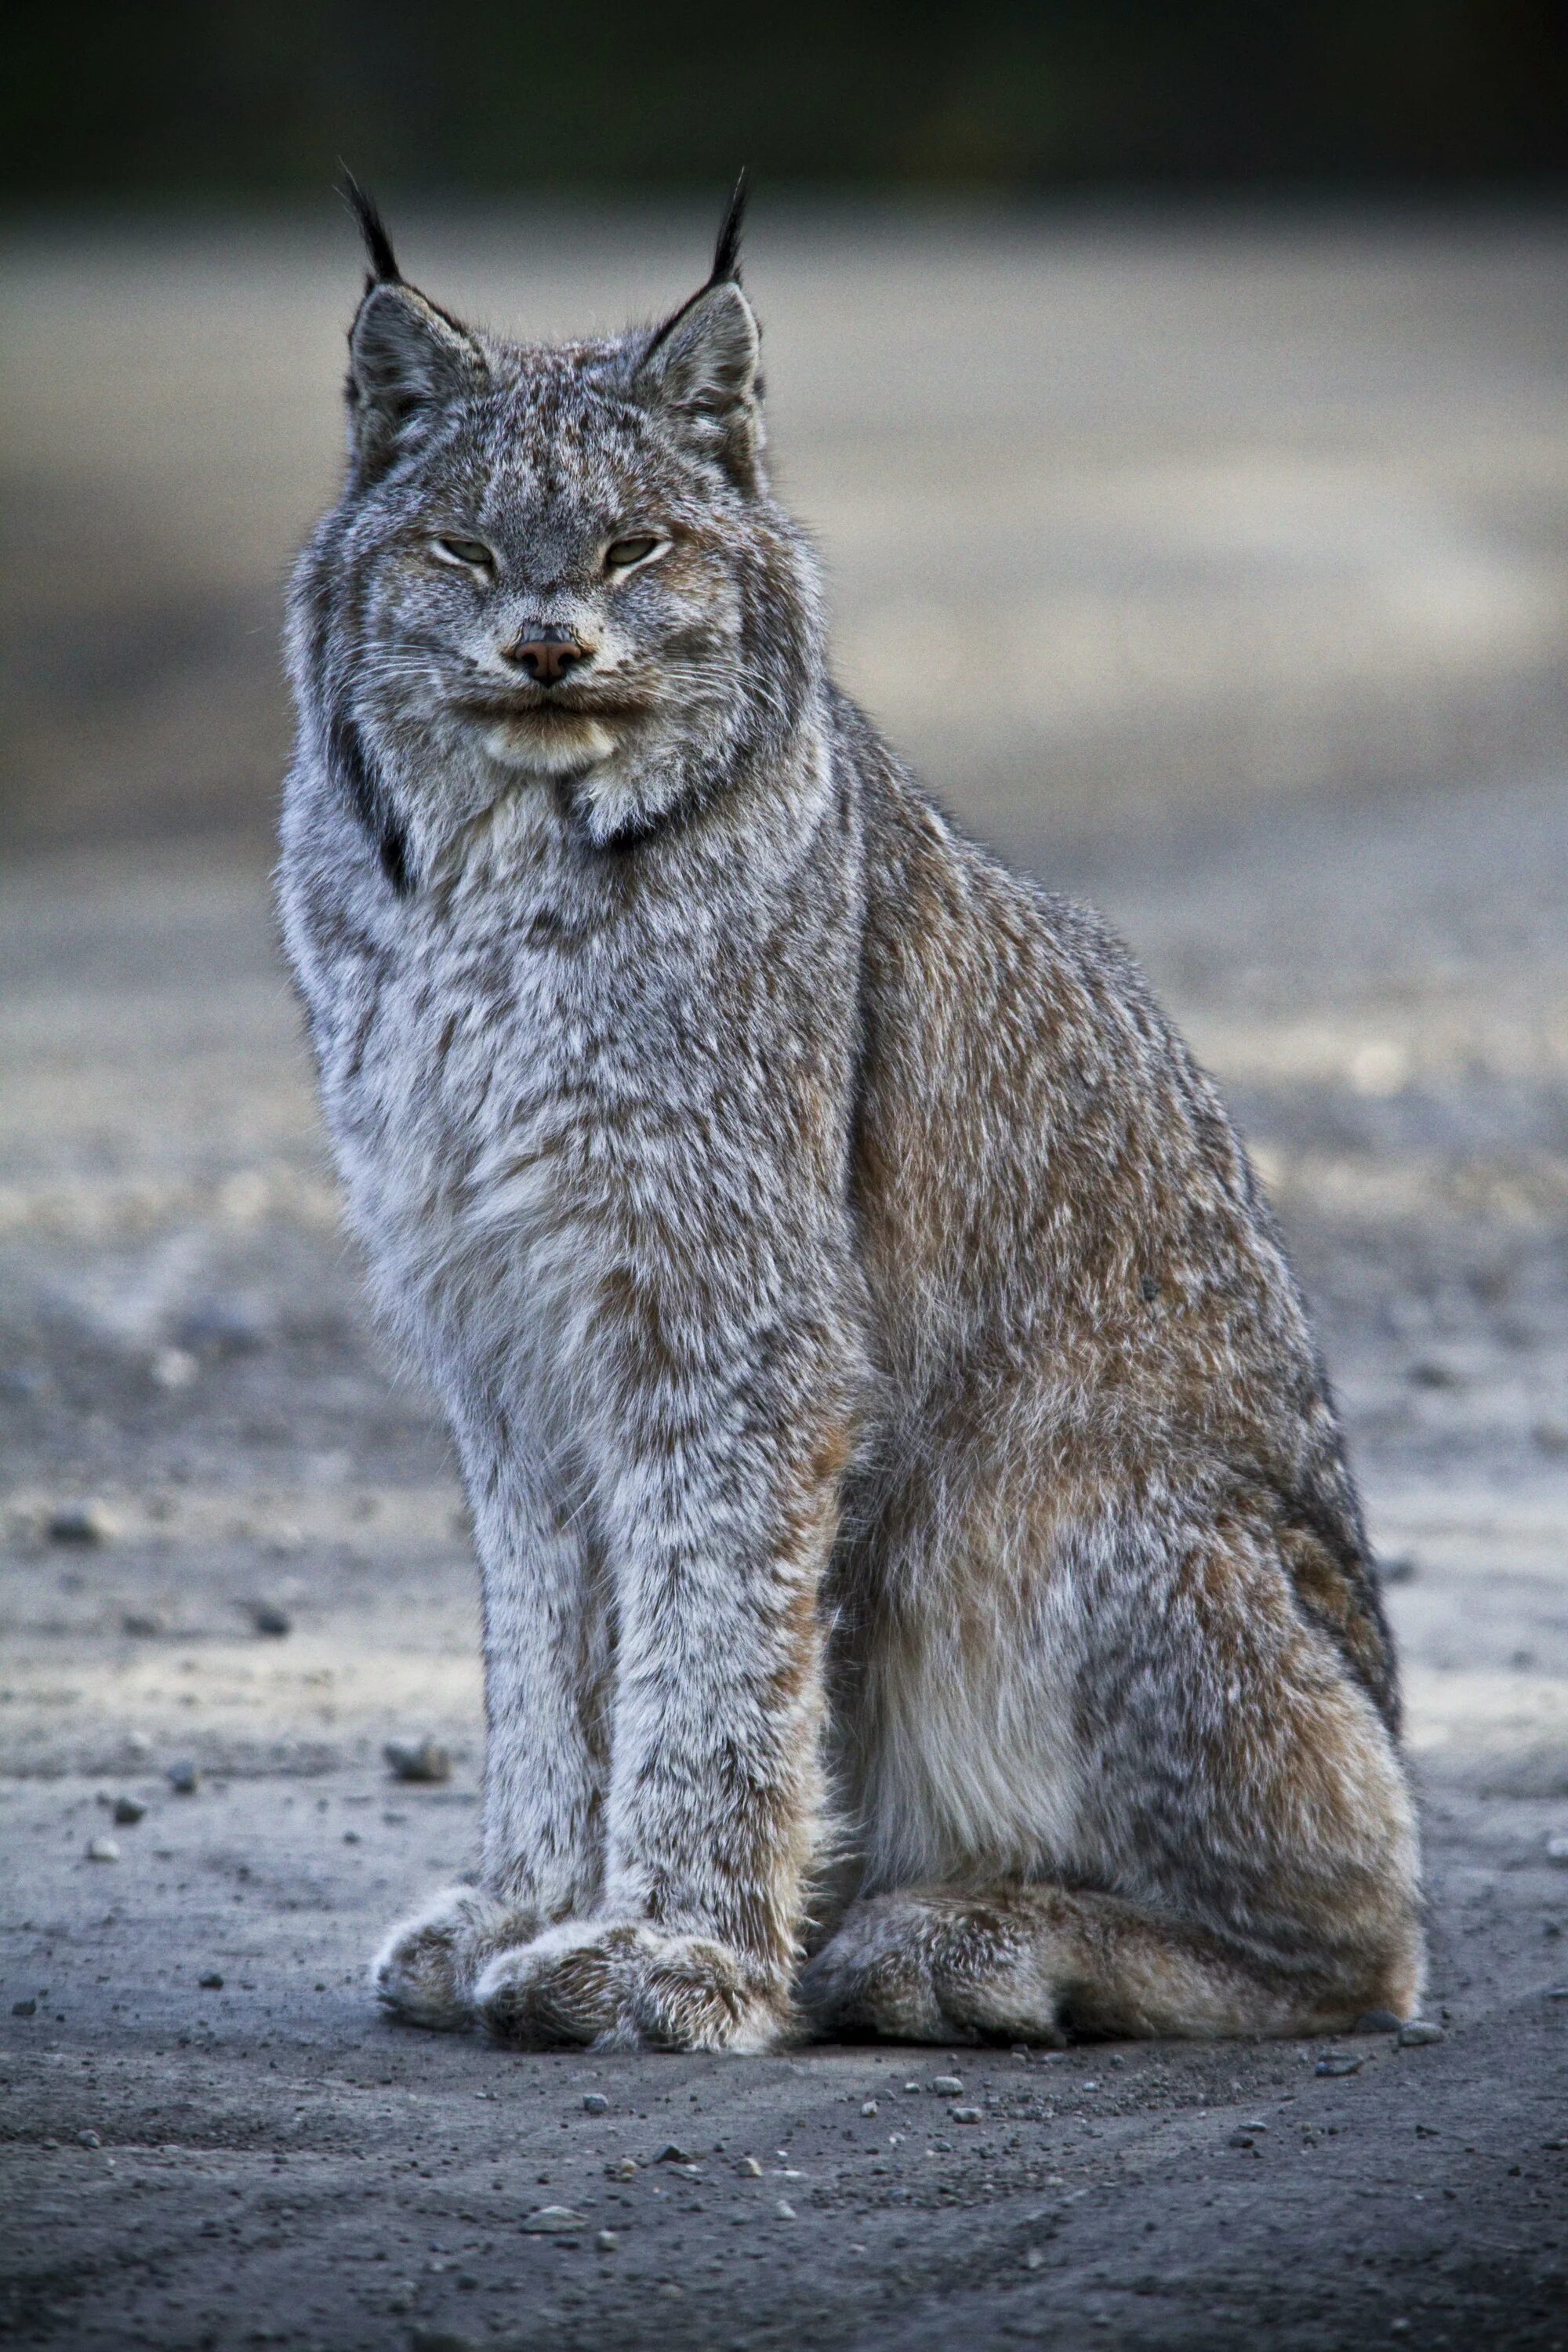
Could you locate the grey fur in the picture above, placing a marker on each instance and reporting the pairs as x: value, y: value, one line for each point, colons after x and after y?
x: 913, y: 1524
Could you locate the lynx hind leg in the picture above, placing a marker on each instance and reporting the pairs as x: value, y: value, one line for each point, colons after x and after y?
x: 426, y: 1969
x: 1027, y: 1963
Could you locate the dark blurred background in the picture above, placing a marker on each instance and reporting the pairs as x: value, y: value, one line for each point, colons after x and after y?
x: 262, y: 96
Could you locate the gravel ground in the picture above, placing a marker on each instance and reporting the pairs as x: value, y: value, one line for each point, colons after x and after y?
x: 1289, y: 479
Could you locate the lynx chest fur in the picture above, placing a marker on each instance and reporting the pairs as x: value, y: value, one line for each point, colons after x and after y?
x: 924, y: 1590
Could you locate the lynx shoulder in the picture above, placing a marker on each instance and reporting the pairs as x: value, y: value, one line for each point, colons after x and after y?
x: 924, y: 1590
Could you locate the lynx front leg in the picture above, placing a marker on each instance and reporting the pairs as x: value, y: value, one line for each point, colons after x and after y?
x: 719, y: 1525
x: 546, y: 1669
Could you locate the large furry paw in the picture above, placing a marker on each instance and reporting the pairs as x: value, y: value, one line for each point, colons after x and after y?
x: 426, y: 1969
x: 933, y: 1968
x: 630, y: 1988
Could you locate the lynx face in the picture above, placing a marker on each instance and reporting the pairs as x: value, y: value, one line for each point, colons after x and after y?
x: 551, y: 567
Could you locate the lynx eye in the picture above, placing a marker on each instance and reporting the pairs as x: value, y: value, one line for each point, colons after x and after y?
x: 472, y: 552
x: 622, y: 554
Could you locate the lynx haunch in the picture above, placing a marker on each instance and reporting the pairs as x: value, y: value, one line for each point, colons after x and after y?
x: 923, y: 1589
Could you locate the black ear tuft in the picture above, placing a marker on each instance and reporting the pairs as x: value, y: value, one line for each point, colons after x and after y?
x: 726, y: 269
x: 384, y: 268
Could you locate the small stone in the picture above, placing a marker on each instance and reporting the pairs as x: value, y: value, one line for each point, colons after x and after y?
x: 81, y: 1523
x: 224, y: 1327
x: 869, y: 2107
x: 173, y: 1367
x: 439, y: 2340
x: 1377, y: 2020
x: 947, y: 2086
x: 102, y: 1849
x: 128, y: 1810
x: 141, y: 1625
x: 351, y: 1837
x: 1338, y: 2062
x: 269, y: 1619
x: 210, y: 1980
x: 88, y: 2140
x: 1402, y: 1569
x: 553, y: 2221
x: 751, y: 2168
x: 1035, y: 2259
x: 607, y: 2241
x: 423, y: 1759
x: 968, y: 2115
x: 786, y: 2210
x: 1557, y: 1846
x: 184, y: 1776
x: 625, y: 2168
x: 1419, y: 2033
x: 595, y: 2104
x: 670, y: 2154
x: 24, y: 2008
x: 137, y: 1744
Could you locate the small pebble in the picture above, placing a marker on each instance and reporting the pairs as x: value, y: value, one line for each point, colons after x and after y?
x: 268, y: 1618
x: 1557, y: 1846
x: 786, y: 2210
x: 670, y: 2154
x: 423, y: 1759
x: 751, y: 2168
x: 82, y: 1523
x: 1342, y: 2063
x: 351, y: 1837
x: 185, y: 1778
x: 88, y: 2140
x: 607, y: 2241
x: 173, y: 1367
x: 947, y: 2086
x: 1417, y: 2033
x: 439, y: 2340
x: 102, y: 1849
x: 869, y: 2109
x: 24, y: 2008
x: 551, y: 2221
x: 143, y: 1624
x: 595, y: 2104
x: 211, y: 1981
x: 128, y: 1810
x: 1378, y: 2020
x: 967, y: 2115
x: 624, y: 2169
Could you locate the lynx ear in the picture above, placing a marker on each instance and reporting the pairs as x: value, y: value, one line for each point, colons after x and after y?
x: 407, y: 360
x: 704, y: 363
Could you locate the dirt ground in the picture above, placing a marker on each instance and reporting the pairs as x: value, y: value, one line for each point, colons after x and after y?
x: 1268, y: 523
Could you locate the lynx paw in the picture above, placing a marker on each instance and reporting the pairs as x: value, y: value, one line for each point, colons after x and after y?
x: 922, y: 1968
x: 426, y: 1969
x: 629, y: 1987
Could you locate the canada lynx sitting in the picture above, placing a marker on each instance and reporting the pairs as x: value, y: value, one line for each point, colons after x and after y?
x: 923, y: 1590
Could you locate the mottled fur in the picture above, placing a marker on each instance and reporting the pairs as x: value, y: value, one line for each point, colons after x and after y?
x: 914, y: 1528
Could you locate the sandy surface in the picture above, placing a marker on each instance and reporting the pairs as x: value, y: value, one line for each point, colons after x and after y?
x: 1346, y: 457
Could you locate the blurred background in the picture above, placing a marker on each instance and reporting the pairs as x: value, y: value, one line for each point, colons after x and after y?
x: 1209, y: 364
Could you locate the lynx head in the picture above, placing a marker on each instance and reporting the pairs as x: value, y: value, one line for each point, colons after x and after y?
x: 551, y: 565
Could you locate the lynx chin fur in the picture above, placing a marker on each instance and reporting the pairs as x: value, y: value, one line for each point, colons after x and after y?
x: 923, y: 1589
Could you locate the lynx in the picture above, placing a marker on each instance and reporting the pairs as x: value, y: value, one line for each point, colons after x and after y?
x: 924, y: 1594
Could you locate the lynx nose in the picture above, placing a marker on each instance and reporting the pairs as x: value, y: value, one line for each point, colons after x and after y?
x: 547, y: 654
